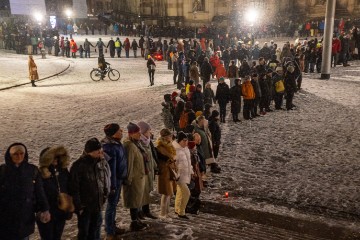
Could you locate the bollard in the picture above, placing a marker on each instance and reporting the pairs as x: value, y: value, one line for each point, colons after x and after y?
x: 43, y: 54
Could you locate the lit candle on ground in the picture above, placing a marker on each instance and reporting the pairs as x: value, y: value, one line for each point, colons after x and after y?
x: 226, y: 194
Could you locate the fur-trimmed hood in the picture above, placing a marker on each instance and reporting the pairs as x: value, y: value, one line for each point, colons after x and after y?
x: 166, y: 149
x: 48, y: 156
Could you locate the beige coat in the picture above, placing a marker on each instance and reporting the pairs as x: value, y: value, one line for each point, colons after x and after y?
x: 166, y: 155
x: 33, y: 74
x: 133, y: 192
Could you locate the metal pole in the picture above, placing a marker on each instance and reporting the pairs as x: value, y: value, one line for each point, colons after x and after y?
x: 327, y: 42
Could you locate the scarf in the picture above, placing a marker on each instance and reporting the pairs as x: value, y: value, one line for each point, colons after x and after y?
x: 145, y: 140
x: 145, y: 156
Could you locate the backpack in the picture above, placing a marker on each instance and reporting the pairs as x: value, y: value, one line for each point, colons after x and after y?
x: 279, y: 86
x: 183, y: 121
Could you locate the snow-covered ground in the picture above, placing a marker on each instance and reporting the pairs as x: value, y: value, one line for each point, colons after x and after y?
x: 303, y: 164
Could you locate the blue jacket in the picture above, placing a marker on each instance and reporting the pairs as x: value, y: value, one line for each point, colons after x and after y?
x: 117, y: 161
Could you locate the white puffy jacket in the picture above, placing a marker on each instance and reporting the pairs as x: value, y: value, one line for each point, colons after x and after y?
x: 183, y: 163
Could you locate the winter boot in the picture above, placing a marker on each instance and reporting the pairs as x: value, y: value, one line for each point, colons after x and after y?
x: 136, y: 226
x: 33, y: 83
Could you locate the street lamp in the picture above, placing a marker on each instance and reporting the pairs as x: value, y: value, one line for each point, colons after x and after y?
x: 39, y: 17
x: 68, y: 13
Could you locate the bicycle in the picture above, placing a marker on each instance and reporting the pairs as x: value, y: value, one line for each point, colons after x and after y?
x: 97, y: 74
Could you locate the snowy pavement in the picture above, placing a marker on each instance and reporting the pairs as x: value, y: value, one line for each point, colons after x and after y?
x: 302, y: 165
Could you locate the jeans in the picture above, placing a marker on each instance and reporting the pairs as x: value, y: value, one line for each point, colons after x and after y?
x: 127, y: 53
x: 222, y: 106
x: 278, y: 98
x: 89, y: 225
x: 118, y: 51
x: 135, y: 53
x: 110, y: 213
x: 151, y: 76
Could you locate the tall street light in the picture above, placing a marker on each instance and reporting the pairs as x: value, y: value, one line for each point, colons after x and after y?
x: 39, y: 17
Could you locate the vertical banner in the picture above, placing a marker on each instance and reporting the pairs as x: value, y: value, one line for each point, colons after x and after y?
x: 79, y: 9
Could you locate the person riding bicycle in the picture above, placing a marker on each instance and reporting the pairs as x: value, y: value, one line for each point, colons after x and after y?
x: 102, y: 65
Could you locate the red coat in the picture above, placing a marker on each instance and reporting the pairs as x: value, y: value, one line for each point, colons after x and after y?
x: 73, y: 46
x: 336, y: 46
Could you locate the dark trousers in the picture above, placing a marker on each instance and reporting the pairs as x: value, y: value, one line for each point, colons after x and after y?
x: 87, y: 53
x: 264, y: 103
x: 175, y: 76
x: 112, y: 52
x: 127, y: 53
x: 89, y: 225
x: 67, y: 52
x: 216, y: 148
x: 289, y: 100
x: 110, y: 213
x: 334, y: 59
x: 299, y: 81
x: 52, y: 230
x: 134, y: 214
x: 278, y: 98
x: 142, y: 52
x: 255, y: 107
x: 151, y: 76
x: 248, y: 105
x: 118, y: 51
x: 222, y: 106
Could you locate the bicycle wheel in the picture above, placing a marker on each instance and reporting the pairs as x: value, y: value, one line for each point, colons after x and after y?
x: 114, y: 75
x: 95, y: 75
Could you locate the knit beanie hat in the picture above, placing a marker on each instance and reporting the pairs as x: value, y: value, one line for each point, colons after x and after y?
x: 215, y: 113
x: 133, y: 128
x: 165, y: 132
x: 144, y: 127
x: 181, y: 136
x: 92, y: 145
x: 111, y: 129
x: 291, y: 68
x: 222, y: 79
x: 198, y: 113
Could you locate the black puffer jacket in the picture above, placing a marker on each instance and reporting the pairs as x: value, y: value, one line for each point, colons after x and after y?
x: 21, y: 196
x: 89, y: 183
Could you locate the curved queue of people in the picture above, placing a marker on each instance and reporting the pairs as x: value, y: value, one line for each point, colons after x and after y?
x: 106, y: 171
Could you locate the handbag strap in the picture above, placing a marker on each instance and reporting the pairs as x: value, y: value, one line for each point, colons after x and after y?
x: 57, y: 180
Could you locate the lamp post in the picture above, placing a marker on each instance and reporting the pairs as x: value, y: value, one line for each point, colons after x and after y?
x: 68, y: 13
x: 39, y: 17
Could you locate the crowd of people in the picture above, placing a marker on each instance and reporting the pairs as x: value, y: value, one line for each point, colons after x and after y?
x: 107, y: 171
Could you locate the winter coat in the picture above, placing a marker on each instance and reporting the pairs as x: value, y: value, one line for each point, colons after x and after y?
x: 235, y: 98
x: 133, y: 191
x: 256, y: 87
x: 215, y: 131
x: 87, y: 45
x: 183, y: 163
x: 73, y: 46
x: 276, y: 78
x: 89, y: 183
x: 100, y: 45
x: 247, y: 91
x: 222, y: 93
x: 220, y: 71
x: 149, y: 178
x: 194, y: 74
x: 117, y: 161
x: 33, y: 74
x: 21, y: 196
x: 206, y: 143
x: 150, y: 62
x: 233, y: 71
x: 264, y: 87
x: 166, y: 156
x: 167, y: 118
x: 198, y: 101
x: 265, y: 52
x: 111, y: 45
x: 336, y: 46
x: 290, y: 82
x: 209, y: 96
x: 244, y: 70
x: 134, y: 45
x: 127, y: 44
x: 206, y: 70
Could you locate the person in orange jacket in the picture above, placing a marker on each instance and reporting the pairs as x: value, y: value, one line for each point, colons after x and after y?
x: 73, y: 48
x: 220, y: 71
x: 248, y: 94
